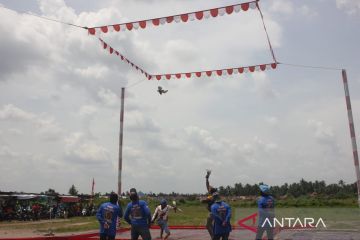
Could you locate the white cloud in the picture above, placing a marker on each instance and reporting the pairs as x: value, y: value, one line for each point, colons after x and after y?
x: 351, y: 7
x: 324, y: 135
x: 6, y: 151
x: 46, y: 126
x: 15, y: 131
x: 11, y: 112
x: 97, y: 71
x: 49, y: 128
x: 307, y: 11
x: 263, y: 86
x: 282, y: 6
x: 273, y: 121
x: 87, y: 110
x: 137, y: 121
x: 108, y: 97
x: 80, y: 149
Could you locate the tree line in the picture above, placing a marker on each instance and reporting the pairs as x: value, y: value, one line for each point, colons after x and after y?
x: 302, y: 188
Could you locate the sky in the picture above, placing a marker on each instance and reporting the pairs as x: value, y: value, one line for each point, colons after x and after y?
x: 60, y: 96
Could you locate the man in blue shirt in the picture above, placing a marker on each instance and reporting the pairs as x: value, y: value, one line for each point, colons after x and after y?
x: 266, y: 204
x: 107, y: 215
x: 221, y: 213
x: 138, y: 215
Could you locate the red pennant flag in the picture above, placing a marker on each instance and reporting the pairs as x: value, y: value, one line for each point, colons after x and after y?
x: 142, y: 24
x: 129, y: 26
x: 245, y: 6
x: 229, y: 71
x: 229, y: 9
x: 199, y: 15
x: 214, y: 12
x: 219, y: 72
x: 92, y: 31
x: 188, y: 75
x: 104, y: 29
x: 208, y: 73
x: 169, y: 19
x: 156, y: 22
x: 116, y: 27
x: 252, y: 68
x: 198, y: 74
x: 184, y: 17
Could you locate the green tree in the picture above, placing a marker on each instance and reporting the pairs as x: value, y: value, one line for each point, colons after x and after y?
x: 73, y: 190
x: 51, y: 191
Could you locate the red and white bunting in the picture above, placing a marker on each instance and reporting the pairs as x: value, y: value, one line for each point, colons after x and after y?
x: 198, y: 74
x: 185, y: 17
x: 111, y: 50
x: 214, y: 73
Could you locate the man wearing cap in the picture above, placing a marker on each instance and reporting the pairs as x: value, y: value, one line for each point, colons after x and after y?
x: 221, y: 213
x: 209, y: 201
x: 138, y: 215
x: 266, y: 204
x: 107, y: 216
x: 162, y: 212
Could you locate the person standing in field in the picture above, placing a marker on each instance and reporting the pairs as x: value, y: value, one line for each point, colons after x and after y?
x: 209, y: 201
x: 161, y: 213
x: 138, y: 215
x: 266, y: 204
x: 107, y: 215
x: 221, y: 213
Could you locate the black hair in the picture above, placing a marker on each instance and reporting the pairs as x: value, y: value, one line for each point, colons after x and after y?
x: 134, y: 196
x: 114, y: 198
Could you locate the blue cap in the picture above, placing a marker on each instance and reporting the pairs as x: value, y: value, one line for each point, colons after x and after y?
x: 264, y: 188
x: 163, y: 202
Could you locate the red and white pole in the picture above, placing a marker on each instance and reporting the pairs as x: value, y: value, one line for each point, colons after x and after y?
x: 121, y: 139
x: 352, y: 132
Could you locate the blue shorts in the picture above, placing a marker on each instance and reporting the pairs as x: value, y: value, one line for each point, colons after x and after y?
x: 163, y: 225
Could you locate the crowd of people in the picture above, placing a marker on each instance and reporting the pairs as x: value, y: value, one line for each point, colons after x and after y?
x: 34, y: 211
x: 138, y: 215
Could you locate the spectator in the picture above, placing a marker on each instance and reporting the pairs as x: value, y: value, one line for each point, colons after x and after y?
x: 221, y: 213
x: 138, y: 215
x: 266, y: 205
x: 107, y: 216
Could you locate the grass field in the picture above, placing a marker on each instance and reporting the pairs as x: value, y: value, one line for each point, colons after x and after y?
x: 194, y: 213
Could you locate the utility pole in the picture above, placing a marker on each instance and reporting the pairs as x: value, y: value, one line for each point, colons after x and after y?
x: 352, y: 132
x: 121, y: 139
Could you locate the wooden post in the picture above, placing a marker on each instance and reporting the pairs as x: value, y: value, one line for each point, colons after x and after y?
x: 121, y: 139
x: 352, y: 132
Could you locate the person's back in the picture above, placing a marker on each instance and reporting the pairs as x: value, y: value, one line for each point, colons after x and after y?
x: 138, y: 215
x: 107, y: 215
x: 266, y: 204
x: 221, y: 213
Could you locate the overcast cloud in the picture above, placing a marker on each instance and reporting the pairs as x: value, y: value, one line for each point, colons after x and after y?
x: 59, y: 96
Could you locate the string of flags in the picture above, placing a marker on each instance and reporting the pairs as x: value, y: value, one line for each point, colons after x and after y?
x: 199, y: 15
x: 184, y: 17
x: 204, y: 73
